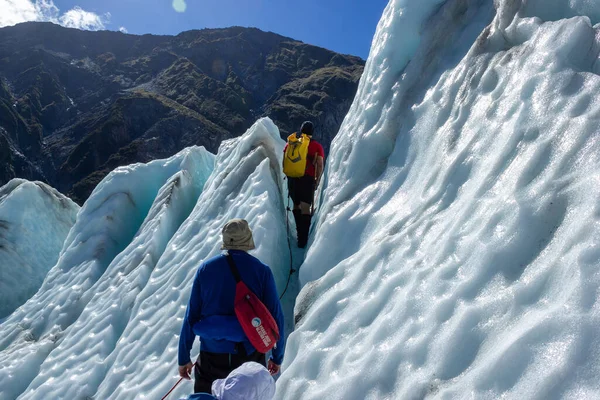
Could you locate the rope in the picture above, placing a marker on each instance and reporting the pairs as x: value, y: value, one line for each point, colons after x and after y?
x: 287, y: 227
x: 174, y: 386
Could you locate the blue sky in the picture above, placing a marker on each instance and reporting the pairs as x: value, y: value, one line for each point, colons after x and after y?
x: 332, y: 24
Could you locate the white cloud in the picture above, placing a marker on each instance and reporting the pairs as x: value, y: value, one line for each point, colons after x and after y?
x: 16, y: 11
x: 81, y: 19
x: 45, y: 8
x: 123, y: 30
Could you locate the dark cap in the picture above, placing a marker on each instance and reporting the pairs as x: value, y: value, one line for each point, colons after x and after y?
x: 307, y: 127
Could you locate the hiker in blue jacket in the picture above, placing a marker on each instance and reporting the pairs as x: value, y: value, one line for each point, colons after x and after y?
x: 210, y: 313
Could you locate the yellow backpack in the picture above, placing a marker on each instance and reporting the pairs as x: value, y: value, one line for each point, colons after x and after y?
x: 294, y: 159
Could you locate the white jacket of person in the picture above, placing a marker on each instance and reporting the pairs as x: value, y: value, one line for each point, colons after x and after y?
x: 250, y: 381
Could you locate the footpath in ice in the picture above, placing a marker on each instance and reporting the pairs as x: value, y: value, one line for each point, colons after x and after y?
x: 106, y: 321
x: 457, y: 248
x: 34, y: 222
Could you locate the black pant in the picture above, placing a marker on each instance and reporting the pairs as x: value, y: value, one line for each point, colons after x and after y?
x: 302, y: 190
x: 213, y: 366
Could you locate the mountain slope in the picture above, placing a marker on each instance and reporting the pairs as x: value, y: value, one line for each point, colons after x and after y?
x: 74, y: 105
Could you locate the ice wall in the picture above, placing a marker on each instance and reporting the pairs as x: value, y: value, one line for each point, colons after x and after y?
x: 34, y: 222
x: 457, y: 252
x: 70, y: 326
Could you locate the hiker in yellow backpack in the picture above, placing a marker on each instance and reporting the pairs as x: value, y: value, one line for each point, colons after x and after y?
x: 303, y: 164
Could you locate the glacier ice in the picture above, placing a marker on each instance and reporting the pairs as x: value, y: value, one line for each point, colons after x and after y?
x: 109, y: 310
x: 114, y: 244
x: 34, y: 222
x: 246, y: 183
x: 106, y: 322
x: 457, y: 250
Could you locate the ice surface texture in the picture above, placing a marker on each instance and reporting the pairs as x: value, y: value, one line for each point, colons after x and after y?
x: 457, y: 253
x: 105, y: 323
x: 34, y: 222
x: 66, y: 331
x: 246, y: 183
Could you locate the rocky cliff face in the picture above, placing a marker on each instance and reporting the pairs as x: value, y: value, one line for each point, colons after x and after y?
x: 75, y: 104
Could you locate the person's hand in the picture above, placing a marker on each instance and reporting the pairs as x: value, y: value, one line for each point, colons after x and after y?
x: 273, y: 368
x: 185, y: 370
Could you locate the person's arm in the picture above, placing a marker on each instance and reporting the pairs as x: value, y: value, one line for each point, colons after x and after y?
x: 271, y: 301
x: 319, y: 167
x: 187, y: 336
x: 319, y: 164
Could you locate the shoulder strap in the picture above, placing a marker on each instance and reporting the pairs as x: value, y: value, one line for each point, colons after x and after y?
x: 233, y: 268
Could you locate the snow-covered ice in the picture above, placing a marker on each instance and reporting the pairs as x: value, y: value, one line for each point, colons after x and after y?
x: 34, y: 222
x: 109, y: 310
x: 457, y: 250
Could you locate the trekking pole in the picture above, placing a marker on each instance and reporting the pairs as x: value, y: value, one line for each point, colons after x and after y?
x: 287, y: 227
x: 312, y: 206
x: 175, y: 385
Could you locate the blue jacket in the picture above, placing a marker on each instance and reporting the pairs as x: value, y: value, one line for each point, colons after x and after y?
x: 201, y: 396
x: 210, y: 313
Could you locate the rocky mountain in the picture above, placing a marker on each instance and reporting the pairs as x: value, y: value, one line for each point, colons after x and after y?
x: 76, y: 104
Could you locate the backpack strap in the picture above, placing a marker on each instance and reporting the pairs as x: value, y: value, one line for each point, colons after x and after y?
x: 233, y: 268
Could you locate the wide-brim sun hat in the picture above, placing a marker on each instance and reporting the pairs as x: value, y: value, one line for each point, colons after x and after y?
x: 237, y: 235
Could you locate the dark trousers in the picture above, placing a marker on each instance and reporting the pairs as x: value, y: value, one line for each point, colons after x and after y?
x: 213, y: 366
x: 302, y: 190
